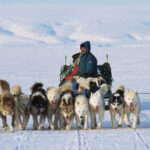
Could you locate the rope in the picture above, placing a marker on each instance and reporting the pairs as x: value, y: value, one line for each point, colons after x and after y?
x: 145, y: 99
x: 144, y: 93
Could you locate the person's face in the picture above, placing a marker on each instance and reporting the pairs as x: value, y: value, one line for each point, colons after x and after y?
x: 83, y: 50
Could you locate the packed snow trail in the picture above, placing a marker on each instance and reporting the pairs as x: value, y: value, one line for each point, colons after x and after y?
x: 106, y: 138
x: 77, y: 140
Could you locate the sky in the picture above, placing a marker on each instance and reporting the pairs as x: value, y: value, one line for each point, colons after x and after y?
x: 84, y: 2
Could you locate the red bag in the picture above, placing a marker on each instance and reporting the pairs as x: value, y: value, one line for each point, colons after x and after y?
x: 73, y: 73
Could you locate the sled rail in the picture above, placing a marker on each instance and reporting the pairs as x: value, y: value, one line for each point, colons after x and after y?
x: 144, y: 93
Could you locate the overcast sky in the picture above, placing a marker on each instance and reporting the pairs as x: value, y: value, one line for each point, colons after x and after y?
x: 84, y: 2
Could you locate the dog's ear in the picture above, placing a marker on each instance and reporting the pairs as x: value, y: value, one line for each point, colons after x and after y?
x: 36, y: 86
x: 16, y: 90
x: 49, y: 88
x: 121, y: 93
x: 61, y: 103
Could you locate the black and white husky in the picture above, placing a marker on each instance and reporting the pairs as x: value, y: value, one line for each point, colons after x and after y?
x: 117, y: 106
x: 38, y: 100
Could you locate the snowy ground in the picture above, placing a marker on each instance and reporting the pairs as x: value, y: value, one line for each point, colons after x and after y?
x: 33, y: 44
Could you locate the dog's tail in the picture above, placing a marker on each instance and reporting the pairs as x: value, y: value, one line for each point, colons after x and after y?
x: 4, y: 86
x: 104, y: 88
x: 16, y: 90
x: 101, y: 80
x: 83, y: 85
x: 121, y: 88
x: 49, y: 88
x: 65, y: 87
x: 36, y: 86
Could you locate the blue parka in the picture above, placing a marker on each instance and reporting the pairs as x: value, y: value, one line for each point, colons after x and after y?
x: 88, y: 62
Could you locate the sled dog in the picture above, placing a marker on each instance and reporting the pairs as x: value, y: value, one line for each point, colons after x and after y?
x: 117, y: 106
x: 96, y: 104
x: 81, y: 110
x: 53, y: 96
x: 38, y: 102
x: 66, y: 109
x: 132, y: 105
x: 7, y: 105
x: 22, y: 107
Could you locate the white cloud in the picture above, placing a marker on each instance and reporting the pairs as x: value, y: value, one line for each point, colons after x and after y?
x: 80, y: 36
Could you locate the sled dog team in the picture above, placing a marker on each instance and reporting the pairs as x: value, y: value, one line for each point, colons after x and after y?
x: 63, y: 104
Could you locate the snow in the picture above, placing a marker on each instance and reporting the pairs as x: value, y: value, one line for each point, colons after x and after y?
x: 34, y: 40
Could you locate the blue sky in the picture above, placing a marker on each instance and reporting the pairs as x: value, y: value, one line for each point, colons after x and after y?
x: 84, y: 2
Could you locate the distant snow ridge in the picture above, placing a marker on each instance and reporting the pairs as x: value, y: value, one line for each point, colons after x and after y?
x: 5, y: 32
x: 140, y: 37
x: 27, y: 32
x: 68, y: 32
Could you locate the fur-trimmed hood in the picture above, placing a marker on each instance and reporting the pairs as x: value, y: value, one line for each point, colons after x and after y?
x: 87, y: 46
